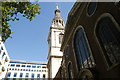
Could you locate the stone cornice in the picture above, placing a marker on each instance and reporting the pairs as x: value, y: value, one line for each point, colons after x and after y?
x: 55, y: 47
x: 57, y: 28
x: 55, y: 56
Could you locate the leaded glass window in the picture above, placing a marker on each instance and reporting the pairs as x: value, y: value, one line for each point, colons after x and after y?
x: 82, y: 51
x: 109, y: 37
x: 60, y: 37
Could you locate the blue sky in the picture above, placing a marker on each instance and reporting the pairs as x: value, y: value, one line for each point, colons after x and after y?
x: 29, y: 40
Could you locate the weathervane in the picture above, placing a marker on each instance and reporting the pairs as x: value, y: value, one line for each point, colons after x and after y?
x: 56, y: 5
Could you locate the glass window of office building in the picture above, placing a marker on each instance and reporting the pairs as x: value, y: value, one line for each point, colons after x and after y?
x: 32, y: 75
x: 33, y: 66
x: 12, y: 64
x: 3, y: 54
x: 28, y: 66
x: 21, y: 75
x: 9, y: 74
x: 17, y: 65
x: 23, y: 66
x: 15, y: 74
x: 38, y: 66
x: 27, y: 74
x: 38, y: 75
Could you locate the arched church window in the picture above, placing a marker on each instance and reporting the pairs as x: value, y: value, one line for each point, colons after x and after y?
x: 70, y: 72
x: 62, y: 24
x: 82, y: 51
x: 56, y: 20
x: 60, y: 37
x: 59, y: 21
x: 109, y: 37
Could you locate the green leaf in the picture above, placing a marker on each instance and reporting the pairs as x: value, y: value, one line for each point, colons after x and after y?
x: 10, y: 11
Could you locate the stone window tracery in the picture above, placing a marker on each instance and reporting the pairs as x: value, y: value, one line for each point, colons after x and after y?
x: 82, y: 51
x: 109, y: 37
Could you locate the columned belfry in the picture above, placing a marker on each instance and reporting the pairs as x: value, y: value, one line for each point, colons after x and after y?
x: 57, y: 20
x: 54, y: 43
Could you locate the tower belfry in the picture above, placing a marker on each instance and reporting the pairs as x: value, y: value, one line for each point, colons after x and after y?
x: 57, y: 20
x: 54, y: 43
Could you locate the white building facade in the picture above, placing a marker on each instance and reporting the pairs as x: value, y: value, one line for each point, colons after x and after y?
x: 4, y: 59
x: 20, y: 70
x: 54, y: 43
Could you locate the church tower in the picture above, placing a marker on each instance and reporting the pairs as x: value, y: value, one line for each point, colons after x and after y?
x: 54, y: 41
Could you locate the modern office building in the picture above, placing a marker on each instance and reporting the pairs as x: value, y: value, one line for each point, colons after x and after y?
x: 27, y: 70
x: 4, y: 59
x: 54, y: 43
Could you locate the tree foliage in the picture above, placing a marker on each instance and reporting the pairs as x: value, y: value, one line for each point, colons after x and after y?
x: 10, y: 10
